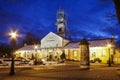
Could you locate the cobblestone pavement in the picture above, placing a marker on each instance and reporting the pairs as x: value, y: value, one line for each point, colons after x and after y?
x: 61, y: 72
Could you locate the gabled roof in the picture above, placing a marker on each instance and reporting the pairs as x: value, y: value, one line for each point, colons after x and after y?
x: 100, y: 42
x: 29, y: 47
x: 72, y: 45
x: 49, y: 34
x: 92, y: 43
x: 53, y: 40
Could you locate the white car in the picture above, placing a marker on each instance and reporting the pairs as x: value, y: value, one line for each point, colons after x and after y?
x: 31, y: 62
x: 3, y: 63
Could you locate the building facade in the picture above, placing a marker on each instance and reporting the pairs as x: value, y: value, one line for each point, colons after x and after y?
x: 99, y: 50
x: 52, y: 46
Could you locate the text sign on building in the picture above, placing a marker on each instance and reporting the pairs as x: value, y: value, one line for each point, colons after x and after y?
x: 51, y: 40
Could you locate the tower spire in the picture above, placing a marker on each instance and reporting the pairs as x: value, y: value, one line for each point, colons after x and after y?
x: 62, y: 28
x: 61, y: 21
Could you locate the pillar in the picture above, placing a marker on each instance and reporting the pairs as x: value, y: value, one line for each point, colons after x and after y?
x: 84, y: 52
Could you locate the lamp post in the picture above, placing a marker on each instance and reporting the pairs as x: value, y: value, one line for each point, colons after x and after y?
x: 109, y: 61
x: 13, y: 35
x: 36, y: 47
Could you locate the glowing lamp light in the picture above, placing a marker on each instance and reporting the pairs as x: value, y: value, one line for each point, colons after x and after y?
x: 35, y: 46
x: 109, y: 45
x: 13, y: 34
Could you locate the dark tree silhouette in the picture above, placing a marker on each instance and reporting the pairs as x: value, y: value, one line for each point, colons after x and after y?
x: 117, y: 7
x: 31, y: 39
x: 5, y: 50
x: 63, y: 56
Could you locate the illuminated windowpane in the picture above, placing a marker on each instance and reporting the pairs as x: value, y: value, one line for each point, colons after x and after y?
x: 75, y: 54
x: 94, y: 54
x: 103, y: 53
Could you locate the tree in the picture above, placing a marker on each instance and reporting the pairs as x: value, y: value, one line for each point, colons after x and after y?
x: 5, y: 50
x: 63, y: 56
x: 31, y: 39
x: 117, y: 7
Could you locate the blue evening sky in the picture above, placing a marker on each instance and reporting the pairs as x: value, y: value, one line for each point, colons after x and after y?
x: 91, y: 19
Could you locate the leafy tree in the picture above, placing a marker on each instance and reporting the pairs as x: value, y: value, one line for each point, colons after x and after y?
x: 5, y: 50
x: 31, y: 39
x: 117, y: 7
x: 63, y: 56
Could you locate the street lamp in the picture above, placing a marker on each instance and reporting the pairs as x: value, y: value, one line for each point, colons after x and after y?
x: 36, y: 47
x: 109, y: 61
x: 13, y: 35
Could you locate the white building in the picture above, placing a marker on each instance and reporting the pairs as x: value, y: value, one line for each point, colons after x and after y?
x: 51, y: 44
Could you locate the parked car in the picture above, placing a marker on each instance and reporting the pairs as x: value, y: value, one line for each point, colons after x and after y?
x: 3, y: 63
x: 31, y: 62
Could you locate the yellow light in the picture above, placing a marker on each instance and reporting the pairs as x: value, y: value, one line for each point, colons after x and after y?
x: 13, y: 34
x: 109, y: 45
x: 35, y: 46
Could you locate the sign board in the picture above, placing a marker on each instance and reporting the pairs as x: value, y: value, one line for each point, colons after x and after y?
x: 51, y: 41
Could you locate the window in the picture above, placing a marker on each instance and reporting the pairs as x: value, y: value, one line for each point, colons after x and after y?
x: 103, y: 53
x: 75, y: 54
x: 94, y: 54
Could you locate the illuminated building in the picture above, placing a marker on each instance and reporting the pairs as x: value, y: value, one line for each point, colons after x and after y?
x: 53, y: 44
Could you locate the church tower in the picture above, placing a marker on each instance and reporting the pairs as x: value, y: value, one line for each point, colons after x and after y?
x: 61, y: 21
x: 62, y: 29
